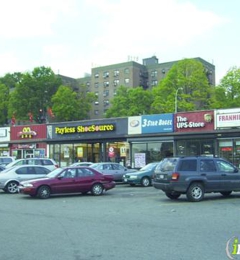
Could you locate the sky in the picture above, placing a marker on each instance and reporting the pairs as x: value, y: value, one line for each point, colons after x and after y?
x: 74, y: 36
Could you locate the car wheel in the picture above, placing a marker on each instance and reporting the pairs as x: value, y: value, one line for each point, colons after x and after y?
x: 43, y: 192
x: 226, y: 193
x: 145, y: 182
x: 172, y: 195
x: 195, y: 192
x: 97, y: 189
x: 12, y: 187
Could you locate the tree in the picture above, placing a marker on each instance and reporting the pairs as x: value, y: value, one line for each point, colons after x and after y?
x: 33, y: 93
x: 130, y: 102
x: 4, y: 96
x: 11, y: 80
x: 227, y: 94
x: 85, y: 100
x: 69, y: 105
x: 185, y: 84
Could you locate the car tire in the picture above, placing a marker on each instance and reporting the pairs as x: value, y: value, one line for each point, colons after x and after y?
x: 12, y: 187
x: 172, y: 195
x: 145, y: 182
x: 195, y: 192
x: 226, y: 193
x: 44, y: 192
x: 97, y: 189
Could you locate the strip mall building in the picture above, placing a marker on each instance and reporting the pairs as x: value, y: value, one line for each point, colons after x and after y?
x: 132, y: 141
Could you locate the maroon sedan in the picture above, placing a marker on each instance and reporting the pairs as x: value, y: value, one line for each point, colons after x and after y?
x: 68, y: 180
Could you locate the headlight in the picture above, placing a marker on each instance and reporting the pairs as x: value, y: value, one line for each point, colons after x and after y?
x: 27, y: 185
x: 133, y: 177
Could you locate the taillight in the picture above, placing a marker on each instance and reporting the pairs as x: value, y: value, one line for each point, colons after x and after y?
x: 175, y: 176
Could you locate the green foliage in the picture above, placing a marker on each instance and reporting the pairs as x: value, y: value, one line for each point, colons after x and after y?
x: 228, y: 92
x: 130, y: 102
x: 65, y: 104
x: 4, y: 96
x: 33, y: 92
x: 184, y: 88
x: 71, y: 106
x: 11, y: 80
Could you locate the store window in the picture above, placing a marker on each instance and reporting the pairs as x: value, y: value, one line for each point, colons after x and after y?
x: 144, y: 153
x: 195, y: 147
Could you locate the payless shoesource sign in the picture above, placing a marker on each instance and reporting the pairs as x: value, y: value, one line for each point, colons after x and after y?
x: 81, y: 129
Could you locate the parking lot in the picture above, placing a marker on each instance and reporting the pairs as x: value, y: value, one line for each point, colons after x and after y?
x: 125, y: 223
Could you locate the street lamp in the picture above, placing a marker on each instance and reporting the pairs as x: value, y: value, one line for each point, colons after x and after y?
x: 176, y: 96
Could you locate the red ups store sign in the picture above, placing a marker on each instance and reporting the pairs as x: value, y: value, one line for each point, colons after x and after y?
x: 194, y: 121
x: 227, y: 118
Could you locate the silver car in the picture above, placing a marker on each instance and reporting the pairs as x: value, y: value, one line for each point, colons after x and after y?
x: 48, y: 163
x: 11, y: 177
x: 115, y: 169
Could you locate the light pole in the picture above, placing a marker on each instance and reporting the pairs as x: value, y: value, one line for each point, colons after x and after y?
x: 176, y: 96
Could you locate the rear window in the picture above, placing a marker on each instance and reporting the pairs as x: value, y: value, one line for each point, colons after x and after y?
x: 167, y: 165
x: 6, y: 160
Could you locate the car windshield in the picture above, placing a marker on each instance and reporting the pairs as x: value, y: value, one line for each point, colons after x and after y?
x: 147, y: 167
x: 54, y: 173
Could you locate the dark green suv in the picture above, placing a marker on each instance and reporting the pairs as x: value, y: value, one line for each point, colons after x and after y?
x: 195, y: 176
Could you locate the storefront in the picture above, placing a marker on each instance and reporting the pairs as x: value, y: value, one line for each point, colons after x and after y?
x: 93, y: 141
x: 227, y: 129
x: 28, y: 141
x: 150, y: 138
x: 4, y: 141
x: 194, y: 134
x: 133, y: 141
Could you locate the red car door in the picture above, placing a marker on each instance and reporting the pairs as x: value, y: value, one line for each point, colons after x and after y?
x: 66, y: 182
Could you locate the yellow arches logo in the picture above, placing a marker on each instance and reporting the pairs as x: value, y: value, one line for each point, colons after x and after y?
x: 26, y: 133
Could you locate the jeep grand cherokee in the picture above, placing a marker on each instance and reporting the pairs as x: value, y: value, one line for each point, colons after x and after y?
x: 195, y: 176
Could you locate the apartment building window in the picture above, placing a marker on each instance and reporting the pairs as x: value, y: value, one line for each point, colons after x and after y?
x: 116, y: 82
x: 96, y: 85
x: 154, y: 73
x: 105, y: 111
x: 106, y: 84
x: 106, y: 102
x: 96, y: 103
x: 106, y: 93
x: 126, y: 81
x: 96, y: 75
x: 96, y: 112
x: 115, y: 92
x: 88, y: 84
x: 116, y: 73
x: 154, y: 83
x: 106, y: 74
x: 96, y: 93
x: 163, y: 71
x: 126, y: 71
